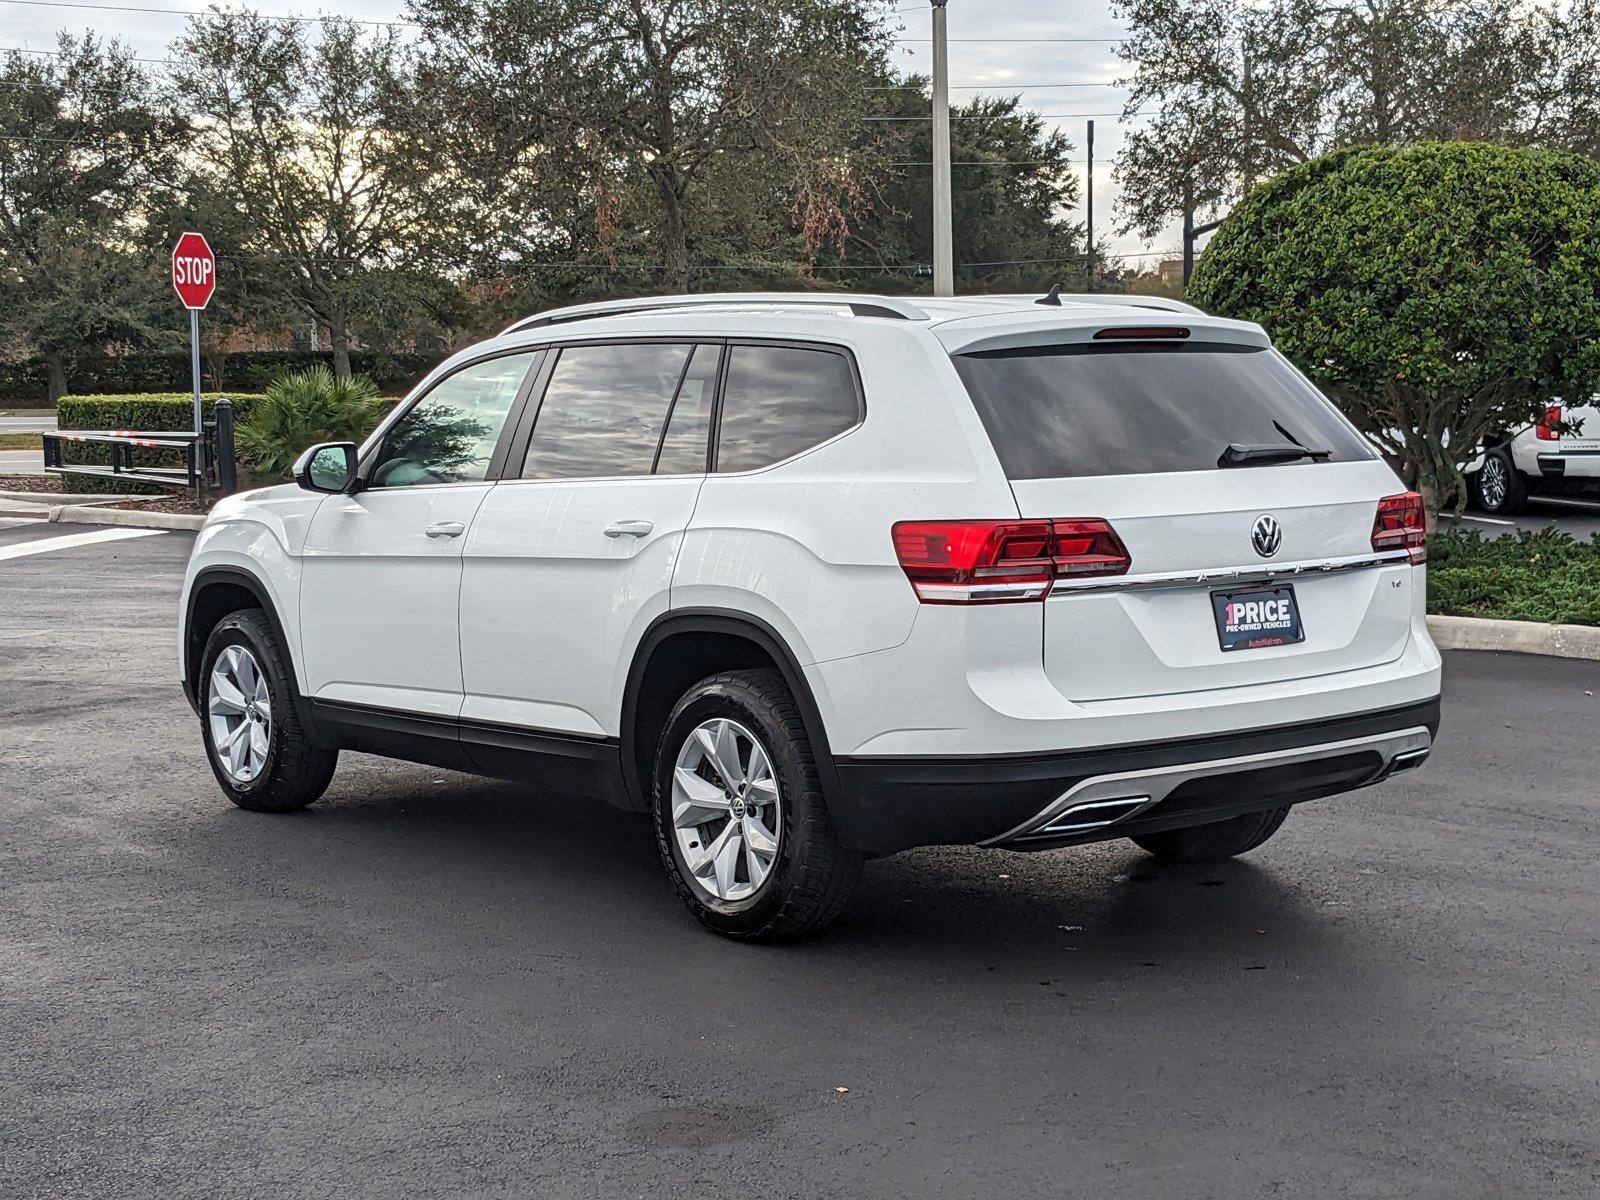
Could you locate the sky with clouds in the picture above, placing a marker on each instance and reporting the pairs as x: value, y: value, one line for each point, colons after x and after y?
x: 1060, y: 55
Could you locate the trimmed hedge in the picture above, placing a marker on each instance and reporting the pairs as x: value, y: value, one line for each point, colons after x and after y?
x: 146, y: 413
x: 246, y: 371
x: 1527, y: 576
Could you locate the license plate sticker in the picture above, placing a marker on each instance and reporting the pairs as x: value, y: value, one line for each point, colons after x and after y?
x: 1257, y: 619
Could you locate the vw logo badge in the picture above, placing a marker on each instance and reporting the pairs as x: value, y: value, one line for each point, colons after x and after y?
x: 1266, y: 535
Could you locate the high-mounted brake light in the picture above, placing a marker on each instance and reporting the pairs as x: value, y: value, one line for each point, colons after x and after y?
x: 1402, y: 524
x: 1140, y: 333
x: 1545, y: 430
x: 999, y: 562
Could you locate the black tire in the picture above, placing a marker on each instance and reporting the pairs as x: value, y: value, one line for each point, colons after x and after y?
x: 813, y: 875
x: 297, y: 771
x: 1218, y: 840
x: 1498, y: 468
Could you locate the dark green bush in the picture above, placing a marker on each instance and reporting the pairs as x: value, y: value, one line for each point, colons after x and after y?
x: 1544, y: 576
x: 245, y: 371
x: 1439, y: 292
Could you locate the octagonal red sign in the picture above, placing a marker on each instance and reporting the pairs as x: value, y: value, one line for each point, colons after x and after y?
x: 194, y: 270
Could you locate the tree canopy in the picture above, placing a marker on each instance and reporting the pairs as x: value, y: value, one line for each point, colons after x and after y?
x: 1246, y: 88
x: 1438, y: 292
x: 86, y: 141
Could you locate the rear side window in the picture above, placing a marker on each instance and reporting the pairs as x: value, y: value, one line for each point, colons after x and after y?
x: 780, y: 400
x: 604, y: 411
x: 1058, y: 411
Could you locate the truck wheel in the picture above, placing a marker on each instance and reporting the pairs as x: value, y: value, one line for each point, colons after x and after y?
x: 1497, y: 486
x: 741, y: 822
x: 1217, y: 840
x: 258, y: 750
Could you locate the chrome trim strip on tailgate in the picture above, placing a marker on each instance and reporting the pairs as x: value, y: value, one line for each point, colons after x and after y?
x: 1262, y: 574
x: 1150, y: 787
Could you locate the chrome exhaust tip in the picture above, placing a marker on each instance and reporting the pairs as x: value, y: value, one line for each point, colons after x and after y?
x: 1093, y: 814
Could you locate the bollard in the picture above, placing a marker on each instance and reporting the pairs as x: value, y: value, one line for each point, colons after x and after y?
x: 227, y: 469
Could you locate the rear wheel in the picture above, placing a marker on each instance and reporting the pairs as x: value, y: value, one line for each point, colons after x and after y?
x: 1497, y: 486
x: 1217, y: 840
x: 740, y: 817
x: 259, y: 751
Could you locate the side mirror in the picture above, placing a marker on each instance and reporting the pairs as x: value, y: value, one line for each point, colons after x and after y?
x: 330, y: 467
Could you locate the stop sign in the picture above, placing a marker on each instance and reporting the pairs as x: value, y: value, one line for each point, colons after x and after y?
x: 194, y: 270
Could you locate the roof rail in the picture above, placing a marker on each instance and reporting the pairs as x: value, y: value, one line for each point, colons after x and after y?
x: 861, y: 306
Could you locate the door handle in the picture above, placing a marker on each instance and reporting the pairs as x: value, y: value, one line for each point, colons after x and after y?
x: 445, y: 529
x: 628, y: 528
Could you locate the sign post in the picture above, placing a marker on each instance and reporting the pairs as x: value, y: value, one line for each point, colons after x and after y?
x: 194, y: 278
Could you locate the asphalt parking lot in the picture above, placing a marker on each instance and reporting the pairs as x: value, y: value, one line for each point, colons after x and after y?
x: 432, y: 985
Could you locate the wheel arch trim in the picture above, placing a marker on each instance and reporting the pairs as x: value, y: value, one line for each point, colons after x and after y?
x: 737, y: 624
x: 238, y: 577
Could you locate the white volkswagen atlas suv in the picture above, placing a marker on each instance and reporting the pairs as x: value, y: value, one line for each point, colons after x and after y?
x: 816, y: 578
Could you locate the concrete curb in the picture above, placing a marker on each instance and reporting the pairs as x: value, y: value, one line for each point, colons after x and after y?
x: 55, y: 498
x: 1519, y: 637
x: 137, y: 518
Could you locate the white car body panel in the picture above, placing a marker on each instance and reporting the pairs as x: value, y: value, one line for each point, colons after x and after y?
x: 384, y: 598
x: 540, y: 563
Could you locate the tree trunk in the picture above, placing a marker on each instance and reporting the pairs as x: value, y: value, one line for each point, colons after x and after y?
x: 675, y: 240
x: 56, y: 373
x: 339, y: 340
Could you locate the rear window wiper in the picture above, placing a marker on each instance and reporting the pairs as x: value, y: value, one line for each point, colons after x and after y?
x: 1240, y: 455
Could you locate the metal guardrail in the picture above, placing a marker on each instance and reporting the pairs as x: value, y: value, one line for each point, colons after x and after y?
x: 208, y: 457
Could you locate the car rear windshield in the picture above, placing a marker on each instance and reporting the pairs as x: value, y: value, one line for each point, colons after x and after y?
x: 1054, y: 411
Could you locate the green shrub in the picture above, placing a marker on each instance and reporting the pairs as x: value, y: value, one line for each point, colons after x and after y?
x: 152, y: 413
x: 1543, y: 576
x: 1438, y: 292
x: 302, y: 409
x: 242, y: 371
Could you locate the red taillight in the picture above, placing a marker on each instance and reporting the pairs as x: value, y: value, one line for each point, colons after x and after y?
x: 1402, y: 524
x: 996, y: 562
x: 1546, y: 429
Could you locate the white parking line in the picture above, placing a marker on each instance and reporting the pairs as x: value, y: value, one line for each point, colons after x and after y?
x: 1489, y: 520
x: 46, y: 545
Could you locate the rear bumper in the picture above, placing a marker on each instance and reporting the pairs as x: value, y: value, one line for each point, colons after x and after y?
x: 1039, y: 801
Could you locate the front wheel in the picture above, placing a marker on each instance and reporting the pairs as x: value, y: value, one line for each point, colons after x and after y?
x: 1214, y: 841
x: 1497, y: 486
x: 741, y: 822
x: 259, y: 751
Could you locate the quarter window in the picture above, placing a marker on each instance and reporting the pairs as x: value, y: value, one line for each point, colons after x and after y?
x: 604, y: 411
x: 450, y: 434
x: 780, y: 400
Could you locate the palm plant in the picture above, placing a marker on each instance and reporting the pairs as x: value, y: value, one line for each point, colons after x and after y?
x: 303, y: 408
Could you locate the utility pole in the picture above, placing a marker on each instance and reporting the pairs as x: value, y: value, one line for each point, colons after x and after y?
x: 1088, y: 244
x: 943, y: 250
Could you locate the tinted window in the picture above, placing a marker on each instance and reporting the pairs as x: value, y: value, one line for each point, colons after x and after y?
x: 780, y: 400
x: 449, y: 435
x: 1127, y: 410
x: 683, y: 448
x: 603, y: 411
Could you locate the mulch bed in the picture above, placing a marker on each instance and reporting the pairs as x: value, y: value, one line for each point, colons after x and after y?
x: 30, y: 483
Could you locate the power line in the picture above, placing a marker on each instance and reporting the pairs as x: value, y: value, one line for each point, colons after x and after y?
x: 202, y: 13
x: 164, y: 62
x: 1002, y: 86
x: 1025, y: 41
x: 1025, y: 112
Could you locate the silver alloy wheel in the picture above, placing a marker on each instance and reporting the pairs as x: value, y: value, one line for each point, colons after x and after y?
x: 726, y: 811
x: 1492, y: 481
x: 239, y: 709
